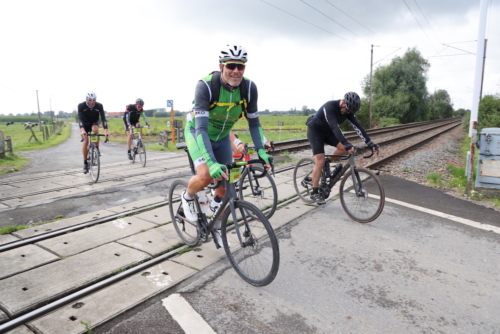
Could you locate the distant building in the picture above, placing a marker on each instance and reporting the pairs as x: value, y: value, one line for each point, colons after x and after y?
x: 114, y: 114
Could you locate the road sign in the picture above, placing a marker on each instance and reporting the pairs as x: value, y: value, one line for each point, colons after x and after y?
x: 168, y: 124
x: 170, y: 103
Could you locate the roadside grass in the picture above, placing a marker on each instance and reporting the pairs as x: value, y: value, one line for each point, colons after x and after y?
x: 458, y: 178
x: 15, y: 162
x: 10, y: 229
x: 12, y: 163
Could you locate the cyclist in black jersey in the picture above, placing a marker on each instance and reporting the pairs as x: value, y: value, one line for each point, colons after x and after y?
x: 323, y: 128
x: 131, y: 118
x: 88, y: 119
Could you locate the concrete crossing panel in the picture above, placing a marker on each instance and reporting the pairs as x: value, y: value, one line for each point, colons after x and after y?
x: 7, y: 238
x: 63, y: 223
x: 158, y: 216
x: 154, y: 241
x: 83, y: 240
x: 23, y: 258
x: 201, y: 257
x: 31, y: 289
x: 110, y: 302
x: 137, y: 204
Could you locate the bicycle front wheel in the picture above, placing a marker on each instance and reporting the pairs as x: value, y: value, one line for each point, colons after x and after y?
x: 362, y: 195
x: 302, y: 179
x: 259, y: 190
x: 256, y: 259
x: 94, y: 164
x: 187, y: 231
x: 141, y: 150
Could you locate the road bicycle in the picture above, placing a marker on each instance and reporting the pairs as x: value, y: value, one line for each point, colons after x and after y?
x: 93, y: 155
x: 256, y: 185
x: 247, y: 236
x: 138, y: 147
x: 361, y: 194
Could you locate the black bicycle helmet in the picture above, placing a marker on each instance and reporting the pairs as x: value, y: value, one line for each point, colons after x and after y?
x: 352, y: 101
x: 139, y: 102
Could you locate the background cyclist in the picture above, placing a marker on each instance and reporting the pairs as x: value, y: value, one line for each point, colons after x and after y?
x: 88, y: 119
x: 208, y: 126
x: 323, y: 128
x: 131, y: 118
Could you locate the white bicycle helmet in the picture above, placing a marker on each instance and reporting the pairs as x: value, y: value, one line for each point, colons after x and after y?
x: 91, y: 96
x: 233, y: 52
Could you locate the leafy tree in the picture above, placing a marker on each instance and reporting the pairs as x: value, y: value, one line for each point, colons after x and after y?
x: 305, y: 111
x: 460, y: 112
x: 440, y: 105
x: 399, y: 89
x: 489, y: 112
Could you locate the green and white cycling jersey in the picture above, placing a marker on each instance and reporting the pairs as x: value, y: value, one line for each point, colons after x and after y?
x: 205, y: 126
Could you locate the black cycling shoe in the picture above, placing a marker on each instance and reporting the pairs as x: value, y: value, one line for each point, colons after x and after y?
x: 85, y: 168
x: 130, y: 156
x: 318, y: 198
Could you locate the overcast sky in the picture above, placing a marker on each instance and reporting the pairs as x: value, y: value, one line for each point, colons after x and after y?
x: 300, y: 52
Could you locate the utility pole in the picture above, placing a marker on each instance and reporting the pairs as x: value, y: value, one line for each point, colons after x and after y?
x: 371, y: 80
x: 51, y: 112
x: 39, y: 118
x: 483, y: 7
x: 482, y: 74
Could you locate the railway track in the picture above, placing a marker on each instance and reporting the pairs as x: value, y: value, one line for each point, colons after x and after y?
x: 54, y: 303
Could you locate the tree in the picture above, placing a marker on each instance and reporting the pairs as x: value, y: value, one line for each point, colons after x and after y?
x: 399, y: 89
x: 440, y: 105
x: 305, y: 111
x: 489, y: 112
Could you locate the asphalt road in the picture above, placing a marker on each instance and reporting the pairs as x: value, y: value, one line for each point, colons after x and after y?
x: 409, y: 271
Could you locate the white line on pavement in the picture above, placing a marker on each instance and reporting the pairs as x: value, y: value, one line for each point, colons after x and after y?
x: 189, y: 320
x: 464, y: 221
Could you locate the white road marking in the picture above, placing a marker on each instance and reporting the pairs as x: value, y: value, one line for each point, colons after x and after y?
x: 189, y: 320
x: 464, y: 221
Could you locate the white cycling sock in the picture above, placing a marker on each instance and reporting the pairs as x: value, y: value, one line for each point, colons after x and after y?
x: 188, y: 197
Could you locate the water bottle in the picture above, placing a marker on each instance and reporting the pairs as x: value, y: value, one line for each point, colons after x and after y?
x: 203, y: 200
x: 336, y: 169
x: 215, y: 204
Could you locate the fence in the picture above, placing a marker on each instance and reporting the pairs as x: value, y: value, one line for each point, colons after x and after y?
x: 48, y: 130
x: 165, y: 136
x: 3, y: 143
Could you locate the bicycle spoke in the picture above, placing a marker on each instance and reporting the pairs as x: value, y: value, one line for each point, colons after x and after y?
x: 256, y: 257
x: 367, y: 202
x: 260, y: 191
x: 302, y: 179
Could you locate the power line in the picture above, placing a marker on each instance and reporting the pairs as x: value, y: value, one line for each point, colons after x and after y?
x: 350, y: 17
x: 335, y: 21
x: 284, y: 11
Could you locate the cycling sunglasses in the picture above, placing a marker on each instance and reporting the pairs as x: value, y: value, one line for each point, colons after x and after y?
x: 233, y: 66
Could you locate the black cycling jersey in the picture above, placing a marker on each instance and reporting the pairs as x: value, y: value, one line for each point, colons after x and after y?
x: 132, y: 114
x: 88, y: 115
x: 328, y: 118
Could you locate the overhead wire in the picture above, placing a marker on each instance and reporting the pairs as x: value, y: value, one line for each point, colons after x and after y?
x: 284, y: 11
x: 350, y: 17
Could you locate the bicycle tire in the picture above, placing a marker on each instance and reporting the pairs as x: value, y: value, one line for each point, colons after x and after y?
x: 251, y: 182
x: 94, y: 164
x: 303, y: 169
x: 366, y: 205
x: 258, y: 262
x: 141, y: 148
x: 187, y: 231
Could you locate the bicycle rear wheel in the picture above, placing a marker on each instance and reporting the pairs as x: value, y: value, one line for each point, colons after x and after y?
x: 94, y: 164
x: 141, y: 150
x: 257, y: 259
x: 302, y: 179
x: 187, y: 231
x: 362, y: 195
x: 259, y: 190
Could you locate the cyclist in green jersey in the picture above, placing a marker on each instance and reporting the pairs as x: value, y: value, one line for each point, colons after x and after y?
x: 209, y: 123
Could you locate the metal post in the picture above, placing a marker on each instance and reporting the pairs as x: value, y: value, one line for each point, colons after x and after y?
x: 482, y: 74
x: 39, y: 118
x: 371, y: 79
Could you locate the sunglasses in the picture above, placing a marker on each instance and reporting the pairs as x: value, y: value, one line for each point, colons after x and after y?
x: 233, y: 66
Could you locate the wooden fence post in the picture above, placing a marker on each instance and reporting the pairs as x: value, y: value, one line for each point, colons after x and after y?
x: 2, y: 145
